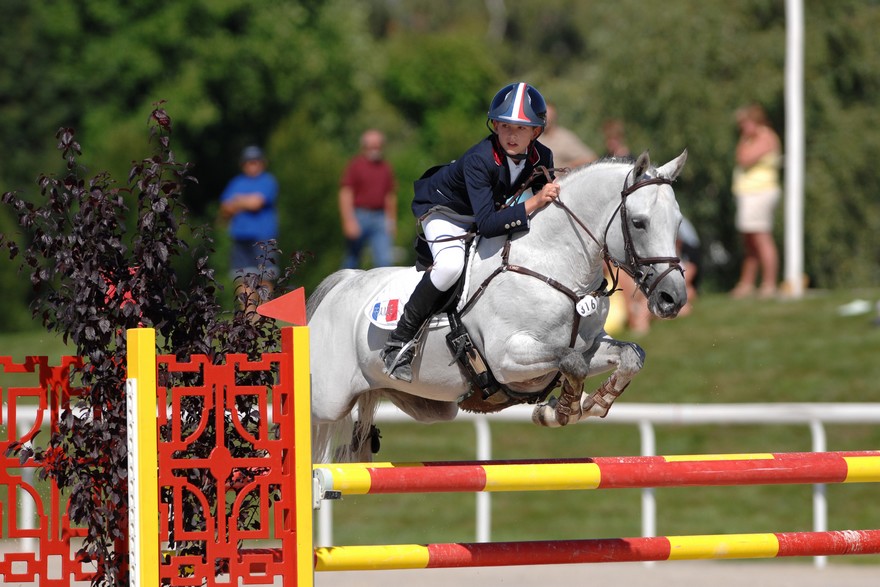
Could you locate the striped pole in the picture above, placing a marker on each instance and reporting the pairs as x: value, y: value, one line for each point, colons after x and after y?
x: 295, y: 342
x: 659, y: 548
x: 143, y: 448
x: 601, y: 473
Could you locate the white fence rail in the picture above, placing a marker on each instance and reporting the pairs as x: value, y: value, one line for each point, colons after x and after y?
x: 646, y: 417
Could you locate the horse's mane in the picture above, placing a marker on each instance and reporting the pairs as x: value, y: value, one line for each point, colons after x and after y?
x: 323, y: 289
x: 604, y: 161
x: 624, y: 159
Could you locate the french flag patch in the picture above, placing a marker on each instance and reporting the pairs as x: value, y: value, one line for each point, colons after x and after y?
x: 385, y: 313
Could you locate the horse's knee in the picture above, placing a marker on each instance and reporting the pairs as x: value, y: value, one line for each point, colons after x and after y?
x: 574, y: 365
x: 632, y: 358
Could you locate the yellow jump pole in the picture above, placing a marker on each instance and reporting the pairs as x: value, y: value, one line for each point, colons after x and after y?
x: 143, y: 449
x: 295, y: 342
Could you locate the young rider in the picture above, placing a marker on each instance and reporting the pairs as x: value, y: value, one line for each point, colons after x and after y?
x: 449, y: 200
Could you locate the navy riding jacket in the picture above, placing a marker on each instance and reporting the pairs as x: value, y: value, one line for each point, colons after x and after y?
x: 478, y: 184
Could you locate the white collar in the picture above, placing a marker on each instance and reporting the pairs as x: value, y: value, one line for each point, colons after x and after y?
x: 515, y: 168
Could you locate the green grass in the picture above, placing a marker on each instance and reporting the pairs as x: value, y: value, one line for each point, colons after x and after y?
x: 725, y: 351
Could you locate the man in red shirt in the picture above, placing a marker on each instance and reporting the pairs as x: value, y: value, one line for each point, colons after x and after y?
x: 368, y: 203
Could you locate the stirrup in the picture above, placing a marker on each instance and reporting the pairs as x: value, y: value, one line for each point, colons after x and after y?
x: 400, y: 367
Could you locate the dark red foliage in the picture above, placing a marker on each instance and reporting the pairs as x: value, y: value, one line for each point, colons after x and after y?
x: 94, y: 276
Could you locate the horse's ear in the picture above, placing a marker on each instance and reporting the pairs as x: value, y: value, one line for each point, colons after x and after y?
x: 643, y: 164
x: 671, y: 170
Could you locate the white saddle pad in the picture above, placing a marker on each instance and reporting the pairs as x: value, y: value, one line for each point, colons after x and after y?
x: 386, y: 306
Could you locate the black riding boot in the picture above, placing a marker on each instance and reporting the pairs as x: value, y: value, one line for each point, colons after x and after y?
x: 397, y: 354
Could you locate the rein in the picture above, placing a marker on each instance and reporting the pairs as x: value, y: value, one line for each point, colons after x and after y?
x: 633, y: 263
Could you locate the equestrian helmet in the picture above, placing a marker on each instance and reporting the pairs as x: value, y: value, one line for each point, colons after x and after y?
x: 519, y: 103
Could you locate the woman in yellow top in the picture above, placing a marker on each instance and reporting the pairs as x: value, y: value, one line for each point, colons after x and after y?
x: 757, y: 189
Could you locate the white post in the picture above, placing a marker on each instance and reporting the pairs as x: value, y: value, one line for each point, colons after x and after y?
x: 484, y: 498
x: 820, y: 501
x: 794, y: 146
x: 649, y: 503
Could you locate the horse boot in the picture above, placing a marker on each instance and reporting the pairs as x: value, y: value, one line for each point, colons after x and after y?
x: 399, y: 349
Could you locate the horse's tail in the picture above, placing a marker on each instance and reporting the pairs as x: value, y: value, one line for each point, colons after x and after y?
x: 347, y: 441
x: 324, y: 288
x: 327, y: 435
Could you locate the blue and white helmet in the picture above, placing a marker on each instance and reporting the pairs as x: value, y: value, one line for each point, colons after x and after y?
x: 519, y: 103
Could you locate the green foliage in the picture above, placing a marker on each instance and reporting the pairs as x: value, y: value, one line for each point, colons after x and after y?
x: 305, y: 78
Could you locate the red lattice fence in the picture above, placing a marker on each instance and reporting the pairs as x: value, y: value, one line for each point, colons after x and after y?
x: 244, y: 434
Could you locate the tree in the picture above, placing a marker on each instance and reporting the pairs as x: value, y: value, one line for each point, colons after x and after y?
x: 95, y: 280
x: 304, y: 78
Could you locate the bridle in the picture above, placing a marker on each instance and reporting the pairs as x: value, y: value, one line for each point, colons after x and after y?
x: 633, y: 264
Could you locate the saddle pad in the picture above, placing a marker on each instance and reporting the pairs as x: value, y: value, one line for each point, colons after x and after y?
x: 385, y: 307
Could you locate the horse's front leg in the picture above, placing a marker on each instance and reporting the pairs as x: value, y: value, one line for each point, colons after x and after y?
x: 573, y: 404
x: 626, y: 358
x: 565, y: 409
x: 524, y: 362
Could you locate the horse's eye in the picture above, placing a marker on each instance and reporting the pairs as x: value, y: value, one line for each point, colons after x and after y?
x: 639, y: 223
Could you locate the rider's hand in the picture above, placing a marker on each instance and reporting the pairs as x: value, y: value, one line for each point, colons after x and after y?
x: 548, y: 193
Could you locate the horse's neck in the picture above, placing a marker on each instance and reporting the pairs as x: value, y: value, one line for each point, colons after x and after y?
x: 557, y: 246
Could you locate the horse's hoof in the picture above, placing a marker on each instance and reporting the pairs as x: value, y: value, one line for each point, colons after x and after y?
x: 545, y: 415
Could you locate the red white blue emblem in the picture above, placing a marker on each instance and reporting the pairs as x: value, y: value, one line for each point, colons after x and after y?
x: 385, y: 313
x: 516, y: 111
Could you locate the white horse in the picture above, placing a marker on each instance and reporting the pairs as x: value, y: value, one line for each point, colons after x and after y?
x: 530, y: 317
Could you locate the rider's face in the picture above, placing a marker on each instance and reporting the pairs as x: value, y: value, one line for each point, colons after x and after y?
x: 515, y: 138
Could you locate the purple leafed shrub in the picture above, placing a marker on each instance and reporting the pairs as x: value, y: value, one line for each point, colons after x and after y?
x: 103, y: 258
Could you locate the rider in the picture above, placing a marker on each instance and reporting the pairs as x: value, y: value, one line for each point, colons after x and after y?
x: 451, y: 199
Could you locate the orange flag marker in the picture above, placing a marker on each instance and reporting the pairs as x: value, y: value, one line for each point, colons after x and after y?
x: 291, y: 308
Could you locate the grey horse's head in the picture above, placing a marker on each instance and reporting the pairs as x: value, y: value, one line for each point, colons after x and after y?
x: 646, y: 241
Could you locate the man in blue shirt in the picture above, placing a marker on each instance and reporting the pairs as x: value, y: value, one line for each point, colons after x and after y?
x: 249, y: 204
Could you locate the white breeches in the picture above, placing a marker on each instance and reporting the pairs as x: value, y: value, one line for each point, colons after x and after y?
x: 449, y: 255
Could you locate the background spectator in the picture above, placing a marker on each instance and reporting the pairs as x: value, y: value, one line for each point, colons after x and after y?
x: 568, y: 149
x: 368, y: 203
x: 757, y: 190
x: 688, y: 247
x: 249, y: 205
x: 615, y: 138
